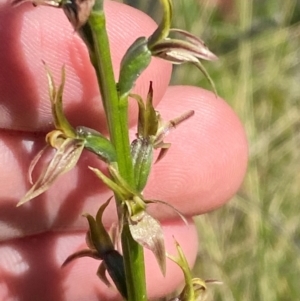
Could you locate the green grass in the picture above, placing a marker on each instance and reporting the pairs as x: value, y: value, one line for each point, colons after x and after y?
x: 253, y: 243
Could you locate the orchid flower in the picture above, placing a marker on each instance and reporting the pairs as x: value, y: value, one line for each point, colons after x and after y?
x: 101, y: 247
x: 63, y: 139
x: 187, y: 48
x: 195, y: 289
x: 152, y: 130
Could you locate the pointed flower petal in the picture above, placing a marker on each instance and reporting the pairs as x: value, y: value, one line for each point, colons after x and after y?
x: 185, y: 49
x: 165, y: 127
x: 114, y: 264
x: 98, y: 237
x: 101, y: 273
x: 162, y: 30
x: 148, y: 232
x: 117, y: 189
x: 64, y: 160
x: 34, y: 162
x: 195, y: 288
x: 78, y: 11
x: 178, y: 51
x: 60, y: 120
x: 170, y: 206
x: 148, y: 116
x: 201, y: 49
x: 80, y: 254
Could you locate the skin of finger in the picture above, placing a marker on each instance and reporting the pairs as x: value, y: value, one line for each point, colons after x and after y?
x: 207, y: 161
x: 202, y: 170
x: 30, y: 35
x: 30, y: 268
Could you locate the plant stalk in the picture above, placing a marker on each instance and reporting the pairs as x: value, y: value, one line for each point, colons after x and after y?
x: 117, y: 119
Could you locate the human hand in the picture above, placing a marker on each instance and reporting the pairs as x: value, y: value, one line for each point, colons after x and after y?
x: 201, y: 171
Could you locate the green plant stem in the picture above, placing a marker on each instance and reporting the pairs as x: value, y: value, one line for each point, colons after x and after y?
x: 117, y: 119
x: 133, y: 255
x: 116, y: 112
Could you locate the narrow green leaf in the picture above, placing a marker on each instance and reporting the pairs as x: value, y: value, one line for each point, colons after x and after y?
x: 194, y: 287
x: 119, y: 191
x: 128, y: 190
x: 206, y: 74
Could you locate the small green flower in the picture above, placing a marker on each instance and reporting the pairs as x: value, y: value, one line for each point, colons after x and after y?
x: 195, y: 288
x: 178, y: 51
x: 68, y: 151
x: 68, y: 143
x: 101, y: 247
x: 150, y: 136
x: 132, y: 210
x: 63, y: 139
x: 186, y: 48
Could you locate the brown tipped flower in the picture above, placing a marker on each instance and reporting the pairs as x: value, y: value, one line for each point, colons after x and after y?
x: 68, y: 151
x: 178, y: 51
x: 147, y: 231
x: 77, y: 11
x: 101, y: 247
x: 63, y: 139
x: 163, y: 130
x: 185, y: 48
x: 195, y: 288
x: 150, y: 135
x: 144, y: 229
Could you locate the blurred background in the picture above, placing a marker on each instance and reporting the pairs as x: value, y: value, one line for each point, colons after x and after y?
x: 253, y: 243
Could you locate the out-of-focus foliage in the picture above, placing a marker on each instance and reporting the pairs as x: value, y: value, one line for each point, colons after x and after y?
x: 253, y: 243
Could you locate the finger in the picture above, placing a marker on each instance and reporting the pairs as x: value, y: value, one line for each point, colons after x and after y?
x: 30, y: 268
x: 207, y: 161
x: 30, y: 35
x: 203, y: 169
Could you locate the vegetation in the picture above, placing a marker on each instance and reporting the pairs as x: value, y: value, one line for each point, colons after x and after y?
x: 253, y: 243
